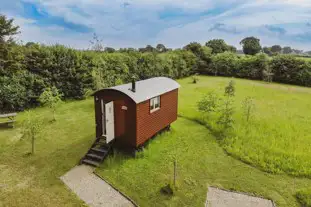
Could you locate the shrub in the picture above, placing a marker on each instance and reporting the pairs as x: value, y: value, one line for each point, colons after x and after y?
x: 209, y: 103
x: 286, y: 69
x: 51, y: 98
x: 224, y: 64
x: 252, y: 67
x: 13, y: 95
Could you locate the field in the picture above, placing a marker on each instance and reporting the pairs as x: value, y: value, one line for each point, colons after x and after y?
x: 277, y: 140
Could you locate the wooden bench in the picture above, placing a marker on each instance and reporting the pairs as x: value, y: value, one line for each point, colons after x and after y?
x: 10, y: 119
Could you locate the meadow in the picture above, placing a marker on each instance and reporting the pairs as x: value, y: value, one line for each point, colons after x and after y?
x: 269, y: 156
x: 278, y: 137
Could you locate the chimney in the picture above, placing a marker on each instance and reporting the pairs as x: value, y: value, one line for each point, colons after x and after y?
x: 133, y: 85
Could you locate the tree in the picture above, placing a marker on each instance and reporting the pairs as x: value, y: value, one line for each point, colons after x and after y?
x: 32, y: 127
x: 161, y: 48
x: 232, y: 49
x: 7, y: 29
x: 267, y: 50
x: 287, y: 50
x: 218, y: 46
x: 297, y: 51
x: 96, y: 43
x: 51, y: 98
x: 109, y: 49
x: 276, y: 49
x: 193, y: 47
x: 251, y: 45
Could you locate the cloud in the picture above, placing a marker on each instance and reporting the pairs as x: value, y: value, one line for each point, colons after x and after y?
x: 223, y: 28
x: 135, y: 23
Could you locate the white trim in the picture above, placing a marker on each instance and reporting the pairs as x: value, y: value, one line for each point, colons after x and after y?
x: 153, y: 102
x: 154, y: 110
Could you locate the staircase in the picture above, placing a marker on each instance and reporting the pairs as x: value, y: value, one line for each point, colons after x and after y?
x: 97, y: 153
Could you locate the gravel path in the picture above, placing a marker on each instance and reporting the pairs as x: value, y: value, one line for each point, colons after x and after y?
x: 91, y: 189
x: 221, y: 198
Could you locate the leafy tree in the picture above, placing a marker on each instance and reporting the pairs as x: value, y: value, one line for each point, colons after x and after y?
x: 109, y: 49
x: 276, y: 49
x: 161, y: 48
x: 251, y: 45
x: 297, y: 51
x: 232, y: 49
x: 227, y: 108
x: 32, y: 127
x: 11, y: 56
x: 267, y: 50
x: 218, y: 46
x: 194, y: 47
x: 51, y: 98
x: 287, y: 50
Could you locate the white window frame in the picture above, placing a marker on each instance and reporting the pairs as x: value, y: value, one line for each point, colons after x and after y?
x: 155, y: 104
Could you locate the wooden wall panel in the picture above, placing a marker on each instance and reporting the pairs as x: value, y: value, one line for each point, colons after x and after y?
x: 148, y: 124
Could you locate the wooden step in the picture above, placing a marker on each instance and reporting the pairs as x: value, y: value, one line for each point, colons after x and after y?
x: 90, y: 162
x: 95, y: 156
x: 99, y: 150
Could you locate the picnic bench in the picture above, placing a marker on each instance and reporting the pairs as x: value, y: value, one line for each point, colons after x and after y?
x: 10, y: 119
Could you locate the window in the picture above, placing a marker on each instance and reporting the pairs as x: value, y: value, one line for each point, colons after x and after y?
x: 154, y: 104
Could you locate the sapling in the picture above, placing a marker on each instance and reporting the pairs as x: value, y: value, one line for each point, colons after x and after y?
x: 227, y: 109
x: 32, y: 127
x: 51, y: 97
x: 248, y: 108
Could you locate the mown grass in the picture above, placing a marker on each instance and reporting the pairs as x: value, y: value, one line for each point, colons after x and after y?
x: 33, y: 180
x: 278, y: 137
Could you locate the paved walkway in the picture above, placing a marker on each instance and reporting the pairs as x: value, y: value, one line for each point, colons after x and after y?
x: 91, y: 189
x: 221, y: 198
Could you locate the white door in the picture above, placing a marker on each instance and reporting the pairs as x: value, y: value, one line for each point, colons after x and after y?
x: 102, y: 104
x: 109, y: 121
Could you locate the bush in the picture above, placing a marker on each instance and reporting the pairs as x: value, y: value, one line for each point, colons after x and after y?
x: 223, y: 64
x: 304, y: 197
x: 286, y: 69
x: 252, y: 67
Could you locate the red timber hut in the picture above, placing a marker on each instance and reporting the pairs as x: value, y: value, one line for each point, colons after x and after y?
x: 129, y: 115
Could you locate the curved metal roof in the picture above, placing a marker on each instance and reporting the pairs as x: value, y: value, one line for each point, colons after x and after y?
x: 147, y: 89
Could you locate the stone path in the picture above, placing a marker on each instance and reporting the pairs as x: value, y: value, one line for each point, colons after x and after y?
x: 91, y: 189
x: 221, y: 198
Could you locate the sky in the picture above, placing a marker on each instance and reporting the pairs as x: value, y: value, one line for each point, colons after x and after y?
x: 174, y: 23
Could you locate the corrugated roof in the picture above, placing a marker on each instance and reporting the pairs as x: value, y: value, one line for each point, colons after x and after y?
x: 147, y: 89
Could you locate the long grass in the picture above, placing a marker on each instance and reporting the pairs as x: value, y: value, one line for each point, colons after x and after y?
x: 278, y: 137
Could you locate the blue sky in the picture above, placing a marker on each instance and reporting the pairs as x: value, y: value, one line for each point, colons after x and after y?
x: 135, y: 23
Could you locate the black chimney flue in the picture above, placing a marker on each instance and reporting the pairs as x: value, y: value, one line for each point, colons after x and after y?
x: 133, y: 85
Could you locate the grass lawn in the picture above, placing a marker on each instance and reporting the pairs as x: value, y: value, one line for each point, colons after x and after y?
x: 34, y: 180
x: 277, y: 140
